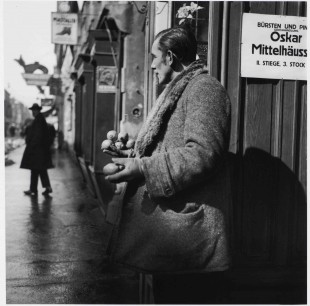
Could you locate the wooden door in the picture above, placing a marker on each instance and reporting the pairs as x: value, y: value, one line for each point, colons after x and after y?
x: 268, y: 165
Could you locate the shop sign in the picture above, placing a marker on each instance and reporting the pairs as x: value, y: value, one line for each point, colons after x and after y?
x: 106, y: 79
x: 274, y: 47
x: 36, y: 79
x: 65, y: 28
x: 47, y: 102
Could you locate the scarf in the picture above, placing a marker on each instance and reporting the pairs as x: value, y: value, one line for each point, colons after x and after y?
x: 164, y: 105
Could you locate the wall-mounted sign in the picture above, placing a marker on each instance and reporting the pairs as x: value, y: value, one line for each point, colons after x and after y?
x: 47, y: 102
x: 36, y: 78
x: 106, y: 78
x: 274, y: 47
x: 64, y: 29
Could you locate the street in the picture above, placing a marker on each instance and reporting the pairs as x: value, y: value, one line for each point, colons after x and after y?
x: 54, y: 254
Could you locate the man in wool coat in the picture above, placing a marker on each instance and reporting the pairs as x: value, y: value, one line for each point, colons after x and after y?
x: 37, y: 155
x: 173, y: 221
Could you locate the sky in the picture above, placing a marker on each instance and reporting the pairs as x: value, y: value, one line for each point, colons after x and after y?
x: 27, y: 32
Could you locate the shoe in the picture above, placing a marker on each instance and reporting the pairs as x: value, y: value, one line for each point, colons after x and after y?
x: 47, y: 191
x: 65, y: 30
x: 30, y: 192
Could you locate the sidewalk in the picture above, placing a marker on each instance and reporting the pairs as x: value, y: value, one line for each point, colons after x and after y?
x: 10, y: 144
x: 54, y: 254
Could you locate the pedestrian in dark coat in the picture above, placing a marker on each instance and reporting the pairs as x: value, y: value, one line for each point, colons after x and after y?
x: 176, y: 206
x: 37, y: 155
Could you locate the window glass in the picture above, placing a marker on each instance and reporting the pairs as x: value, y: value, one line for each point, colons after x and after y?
x: 162, y: 16
x: 196, y: 14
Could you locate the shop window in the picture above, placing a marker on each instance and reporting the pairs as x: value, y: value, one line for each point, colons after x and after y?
x: 196, y: 15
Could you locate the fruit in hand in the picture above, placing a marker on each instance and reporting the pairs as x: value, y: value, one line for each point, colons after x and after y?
x: 106, y: 144
x: 123, y: 137
x: 112, y: 135
x: 112, y: 168
x: 130, y: 144
x: 119, y: 145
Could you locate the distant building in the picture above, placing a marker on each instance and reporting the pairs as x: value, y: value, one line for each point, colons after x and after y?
x: 7, y: 112
x: 15, y: 113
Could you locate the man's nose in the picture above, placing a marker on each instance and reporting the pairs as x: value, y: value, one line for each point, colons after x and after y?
x: 153, y: 65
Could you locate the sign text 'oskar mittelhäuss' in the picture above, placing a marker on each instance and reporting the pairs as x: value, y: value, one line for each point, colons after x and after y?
x: 274, y: 47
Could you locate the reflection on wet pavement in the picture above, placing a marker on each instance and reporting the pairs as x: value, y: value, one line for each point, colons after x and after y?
x: 54, y: 253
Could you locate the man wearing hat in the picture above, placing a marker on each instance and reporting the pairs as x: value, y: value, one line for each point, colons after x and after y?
x: 37, y: 155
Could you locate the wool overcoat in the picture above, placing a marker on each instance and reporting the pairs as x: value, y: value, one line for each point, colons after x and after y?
x: 37, y: 154
x: 176, y: 220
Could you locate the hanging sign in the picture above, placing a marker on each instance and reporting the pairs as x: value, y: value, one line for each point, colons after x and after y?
x: 106, y: 79
x: 47, y: 102
x: 65, y: 28
x: 36, y: 79
x: 274, y: 47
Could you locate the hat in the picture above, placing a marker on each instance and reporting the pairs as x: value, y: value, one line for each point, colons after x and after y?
x: 35, y: 106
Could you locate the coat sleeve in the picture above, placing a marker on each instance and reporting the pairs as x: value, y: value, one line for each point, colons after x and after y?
x: 206, y: 137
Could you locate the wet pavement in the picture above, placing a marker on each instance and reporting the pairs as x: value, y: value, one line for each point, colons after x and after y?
x: 54, y: 251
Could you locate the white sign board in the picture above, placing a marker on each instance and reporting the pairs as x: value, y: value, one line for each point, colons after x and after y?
x: 36, y: 79
x: 47, y: 102
x: 64, y: 28
x: 274, y: 47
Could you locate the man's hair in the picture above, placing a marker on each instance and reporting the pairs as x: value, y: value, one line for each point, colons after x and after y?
x: 180, y: 41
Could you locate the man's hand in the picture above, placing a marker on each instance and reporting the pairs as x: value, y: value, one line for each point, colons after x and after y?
x: 132, y: 170
x: 119, y: 153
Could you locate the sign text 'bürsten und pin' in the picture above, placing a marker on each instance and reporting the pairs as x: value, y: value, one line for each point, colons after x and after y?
x: 278, y: 49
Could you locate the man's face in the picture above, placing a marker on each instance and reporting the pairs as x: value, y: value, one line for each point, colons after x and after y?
x: 35, y: 112
x: 161, y: 65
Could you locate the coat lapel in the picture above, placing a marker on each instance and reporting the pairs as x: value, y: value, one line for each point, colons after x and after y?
x: 164, y: 105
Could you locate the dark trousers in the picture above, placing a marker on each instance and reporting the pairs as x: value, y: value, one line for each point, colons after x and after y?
x: 35, y: 177
x: 205, y: 288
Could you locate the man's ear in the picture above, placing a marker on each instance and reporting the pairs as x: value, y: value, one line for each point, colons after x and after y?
x: 169, y: 57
